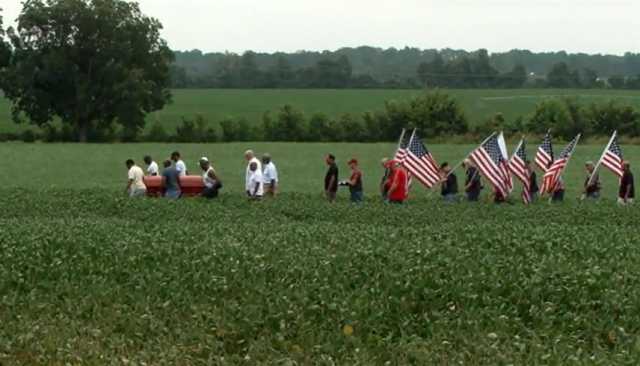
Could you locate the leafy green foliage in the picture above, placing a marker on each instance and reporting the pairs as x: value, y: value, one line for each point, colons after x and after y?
x: 89, y: 276
x: 91, y: 63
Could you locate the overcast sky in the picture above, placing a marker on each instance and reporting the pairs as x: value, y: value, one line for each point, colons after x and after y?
x: 591, y: 26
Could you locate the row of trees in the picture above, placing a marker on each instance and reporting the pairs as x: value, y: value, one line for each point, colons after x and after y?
x: 436, y: 114
x: 367, y: 67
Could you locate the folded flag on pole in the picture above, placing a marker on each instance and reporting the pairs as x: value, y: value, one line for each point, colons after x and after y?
x: 544, y: 156
x: 613, y: 158
x: 420, y: 163
x: 504, y: 165
x: 518, y: 166
x: 556, y: 169
x: 401, y: 152
x: 488, y: 158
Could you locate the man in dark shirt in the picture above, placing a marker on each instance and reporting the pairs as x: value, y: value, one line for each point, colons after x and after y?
x: 533, y: 182
x: 449, y: 183
x: 385, y: 181
x: 591, y: 183
x: 627, y: 189
x: 473, y: 184
x: 331, y: 179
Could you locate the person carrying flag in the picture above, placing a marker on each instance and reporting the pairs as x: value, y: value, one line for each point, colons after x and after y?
x: 473, y: 183
x: 627, y: 192
x: 591, y: 183
x: 533, y: 182
x: 449, y: 183
x: 399, y: 181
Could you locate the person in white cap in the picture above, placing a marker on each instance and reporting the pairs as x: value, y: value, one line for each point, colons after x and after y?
x: 250, y: 157
x: 212, y: 183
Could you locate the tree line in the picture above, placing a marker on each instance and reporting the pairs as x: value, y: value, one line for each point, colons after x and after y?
x: 100, y: 66
x: 367, y: 67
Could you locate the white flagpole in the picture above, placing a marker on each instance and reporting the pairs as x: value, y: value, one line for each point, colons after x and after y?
x: 400, y: 141
x: 469, y: 154
x: 595, y: 170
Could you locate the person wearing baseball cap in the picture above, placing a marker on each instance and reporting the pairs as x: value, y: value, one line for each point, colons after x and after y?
x: 355, y: 182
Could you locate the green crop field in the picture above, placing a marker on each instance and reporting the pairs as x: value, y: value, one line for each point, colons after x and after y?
x: 215, y: 105
x: 91, y: 277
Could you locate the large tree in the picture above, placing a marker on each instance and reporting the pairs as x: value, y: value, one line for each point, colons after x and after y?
x: 5, y: 51
x: 92, y: 63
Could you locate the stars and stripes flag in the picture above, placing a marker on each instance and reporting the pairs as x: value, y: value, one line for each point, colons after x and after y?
x: 504, y: 165
x: 556, y: 169
x: 518, y: 166
x: 612, y: 157
x: 488, y: 159
x: 544, y: 156
x: 401, y: 153
x: 420, y: 163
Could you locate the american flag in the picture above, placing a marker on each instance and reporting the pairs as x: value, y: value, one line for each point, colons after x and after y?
x: 518, y: 166
x: 420, y: 163
x: 544, y: 156
x: 554, y: 172
x: 488, y: 158
x: 401, y: 153
x: 612, y: 157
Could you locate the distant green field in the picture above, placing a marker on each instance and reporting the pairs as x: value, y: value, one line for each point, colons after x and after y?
x: 251, y: 104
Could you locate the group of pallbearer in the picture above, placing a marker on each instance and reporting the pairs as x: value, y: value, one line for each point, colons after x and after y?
x: 413, y: 162
x: 491, y: 161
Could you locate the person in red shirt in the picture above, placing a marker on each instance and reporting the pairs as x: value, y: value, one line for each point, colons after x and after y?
x: 398, y: 184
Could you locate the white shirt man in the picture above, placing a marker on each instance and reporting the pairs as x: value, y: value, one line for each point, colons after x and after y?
x: 135, y: 175
x: 250, y: 157
x: 181, y: 167
x: 255, y: 183
x: 270, y: 173
x: 152, y: 169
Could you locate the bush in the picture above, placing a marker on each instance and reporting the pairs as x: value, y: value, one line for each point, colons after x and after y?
x: 157, y: 133
x: 564, y: 118
x: 236, y: 130
x: 290, y: 125
x: 28, y: 136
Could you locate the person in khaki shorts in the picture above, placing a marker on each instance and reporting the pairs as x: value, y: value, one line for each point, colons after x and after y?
x: 135, y: 183
x: 269, y: 176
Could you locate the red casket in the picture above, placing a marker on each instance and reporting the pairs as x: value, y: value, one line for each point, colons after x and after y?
x: 190, y: 185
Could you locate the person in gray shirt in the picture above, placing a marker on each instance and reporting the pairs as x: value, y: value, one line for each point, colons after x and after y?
x: 171, y: 177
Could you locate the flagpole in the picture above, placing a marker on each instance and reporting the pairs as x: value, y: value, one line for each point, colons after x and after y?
x: 469, y: 154
x: 593, y: 174
x: 400, y: 140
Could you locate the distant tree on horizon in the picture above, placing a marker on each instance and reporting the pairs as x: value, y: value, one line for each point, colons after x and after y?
x: 91, y: 63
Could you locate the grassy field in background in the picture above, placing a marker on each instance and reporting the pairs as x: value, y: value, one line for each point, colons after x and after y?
x: 92, y: 277
x: 216, y: 104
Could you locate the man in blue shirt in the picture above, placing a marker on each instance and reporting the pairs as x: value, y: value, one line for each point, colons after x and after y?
x: 171, y: 177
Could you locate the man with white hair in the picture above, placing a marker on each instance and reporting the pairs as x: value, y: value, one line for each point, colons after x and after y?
x: 250, y: 157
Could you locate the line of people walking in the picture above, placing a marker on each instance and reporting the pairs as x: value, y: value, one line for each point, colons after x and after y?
x: 261, y: 179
